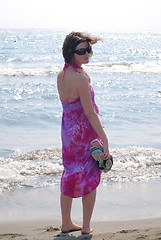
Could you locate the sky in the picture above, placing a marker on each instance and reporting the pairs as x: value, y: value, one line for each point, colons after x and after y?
x: 108, y: 15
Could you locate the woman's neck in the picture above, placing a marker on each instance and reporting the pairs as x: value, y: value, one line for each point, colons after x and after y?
x: 74, y: 65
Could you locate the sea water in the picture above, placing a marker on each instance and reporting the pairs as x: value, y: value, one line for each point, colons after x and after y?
x: 125, y: 72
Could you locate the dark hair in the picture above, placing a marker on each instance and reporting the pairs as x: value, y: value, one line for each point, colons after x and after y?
x: 72, y: 40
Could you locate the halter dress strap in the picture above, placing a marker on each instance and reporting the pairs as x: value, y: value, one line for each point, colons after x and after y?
x: 66, y: 65
x: 74, y: 65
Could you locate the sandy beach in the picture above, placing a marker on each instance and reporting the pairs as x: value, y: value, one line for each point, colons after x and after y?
x: 121, y: 212
x: 50, y: 229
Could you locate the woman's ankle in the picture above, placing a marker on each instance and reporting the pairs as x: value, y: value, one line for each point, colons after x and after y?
x: 70, y: 227
x: 86, y: 230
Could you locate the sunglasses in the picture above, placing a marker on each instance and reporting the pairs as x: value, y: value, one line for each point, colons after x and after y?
x: 82, y: 51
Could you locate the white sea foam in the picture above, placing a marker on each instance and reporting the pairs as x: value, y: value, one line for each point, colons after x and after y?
x: 32, y: 169
x: 135, y: 164
x: 105, y: 67
x: 24, y: 72
x: 44, y: 167
x: 126, y: 67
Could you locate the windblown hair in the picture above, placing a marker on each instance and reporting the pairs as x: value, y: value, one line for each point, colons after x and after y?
x: 72, y: 40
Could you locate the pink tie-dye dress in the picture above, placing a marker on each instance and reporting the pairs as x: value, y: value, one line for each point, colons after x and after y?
x: 81, y: 175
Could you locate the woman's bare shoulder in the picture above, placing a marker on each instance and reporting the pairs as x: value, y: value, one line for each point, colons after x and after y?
x: 75, y: 78
x: 81, y: 79
x: 60, y: 74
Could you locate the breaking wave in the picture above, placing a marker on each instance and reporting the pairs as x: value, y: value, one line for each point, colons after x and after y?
x: 44, y: 167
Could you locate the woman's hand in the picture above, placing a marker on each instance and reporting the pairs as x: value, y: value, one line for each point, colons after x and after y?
x: 106, y: 154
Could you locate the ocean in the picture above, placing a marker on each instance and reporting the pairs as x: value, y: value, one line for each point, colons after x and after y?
x: 125, y: 71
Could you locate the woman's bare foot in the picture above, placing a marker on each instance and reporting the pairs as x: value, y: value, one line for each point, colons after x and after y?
x: 86, y: 230
x: 71, y: 228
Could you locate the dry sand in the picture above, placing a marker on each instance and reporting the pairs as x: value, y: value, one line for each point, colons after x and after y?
x: 50, y: 230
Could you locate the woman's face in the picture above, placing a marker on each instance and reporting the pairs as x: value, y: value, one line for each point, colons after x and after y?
x: 82, y: 59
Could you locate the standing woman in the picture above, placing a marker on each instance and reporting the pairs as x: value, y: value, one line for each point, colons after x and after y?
x: 80, y: 125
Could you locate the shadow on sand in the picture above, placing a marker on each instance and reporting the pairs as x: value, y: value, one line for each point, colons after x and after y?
x: 67, y: 236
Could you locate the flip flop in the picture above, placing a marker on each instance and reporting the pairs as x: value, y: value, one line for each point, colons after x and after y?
x: 96, y: 153
x: 108, y: 164
x: 104, y: 165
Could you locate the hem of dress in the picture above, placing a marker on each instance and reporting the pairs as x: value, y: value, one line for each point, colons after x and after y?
x: 82, y: 195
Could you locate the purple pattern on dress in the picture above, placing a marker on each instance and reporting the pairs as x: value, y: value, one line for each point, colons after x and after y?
x: 81, y: 175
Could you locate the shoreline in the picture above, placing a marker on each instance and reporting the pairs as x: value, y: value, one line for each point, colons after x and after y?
x: 50, y: 229
x: 114, y: 202
x: 121, y: 201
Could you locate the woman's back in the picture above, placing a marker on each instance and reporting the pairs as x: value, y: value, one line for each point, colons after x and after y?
x: 67, y: 84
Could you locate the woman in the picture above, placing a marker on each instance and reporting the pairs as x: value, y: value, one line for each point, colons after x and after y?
x: 80, y: 125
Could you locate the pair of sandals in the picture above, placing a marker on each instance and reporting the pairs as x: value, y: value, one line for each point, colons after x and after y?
x: 96, y: 152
